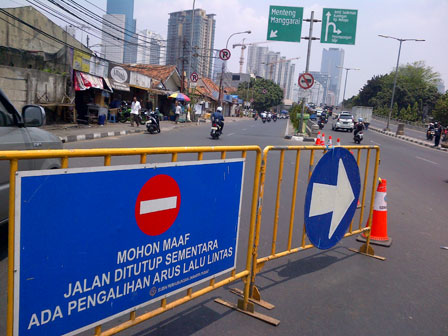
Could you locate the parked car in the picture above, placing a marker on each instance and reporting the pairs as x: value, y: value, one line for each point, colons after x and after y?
x: 343, y: 121
x: 19, y: 132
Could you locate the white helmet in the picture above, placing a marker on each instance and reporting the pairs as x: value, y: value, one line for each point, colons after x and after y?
x: 219, y: 109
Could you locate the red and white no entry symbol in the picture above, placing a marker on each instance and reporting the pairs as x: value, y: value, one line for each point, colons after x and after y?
x: 224, y: 54
x: 306, y: 80
x: 194, y: 77
x: 157, y: 205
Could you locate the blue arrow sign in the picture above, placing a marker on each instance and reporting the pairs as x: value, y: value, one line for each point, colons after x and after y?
x: 331, y: 198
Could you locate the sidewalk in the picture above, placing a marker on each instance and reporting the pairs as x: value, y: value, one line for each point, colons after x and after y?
x: 408, y: 139
x: 78, y: 132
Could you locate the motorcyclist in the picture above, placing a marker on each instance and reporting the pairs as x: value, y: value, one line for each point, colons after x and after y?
x: 359, y: 126
x: 263, y: 115
x: 218, y: 118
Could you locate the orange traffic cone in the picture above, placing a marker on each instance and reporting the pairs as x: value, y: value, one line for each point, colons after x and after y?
x: 330, y: 141
x: 378, y: 232
x: 338, y: 142
x: 322, y: 141
x: 317, y: 143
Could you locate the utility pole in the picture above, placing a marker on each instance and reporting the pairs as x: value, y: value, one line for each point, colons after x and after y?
x: 309, y: 38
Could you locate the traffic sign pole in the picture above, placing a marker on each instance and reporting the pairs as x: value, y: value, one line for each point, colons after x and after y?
x: 308, y: 54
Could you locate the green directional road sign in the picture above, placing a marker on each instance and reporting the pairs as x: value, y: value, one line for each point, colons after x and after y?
x: 338, y: 26
x: 285, y: 23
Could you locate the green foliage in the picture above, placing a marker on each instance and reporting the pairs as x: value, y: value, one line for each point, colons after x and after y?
x: 294, y: 114
x: 416, y: 86
x: 440, y: 112
x: 265, y: 93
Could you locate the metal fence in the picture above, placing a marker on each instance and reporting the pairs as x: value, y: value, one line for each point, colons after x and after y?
x: 143, y: 154
x: 253, y: 294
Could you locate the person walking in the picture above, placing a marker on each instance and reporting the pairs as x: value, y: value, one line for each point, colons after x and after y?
x: 438, y: 133
x: 178, y: 111
x: 135, y: 111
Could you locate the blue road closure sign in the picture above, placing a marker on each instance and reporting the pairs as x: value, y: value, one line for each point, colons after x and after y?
x: 331, y: 198
x: 94, y: 243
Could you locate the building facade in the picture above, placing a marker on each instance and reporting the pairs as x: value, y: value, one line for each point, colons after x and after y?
x: 331, y: 60
x: 151, y: 48
x: 256, y: 61
x: 180, y: 46
x: 119, y: 36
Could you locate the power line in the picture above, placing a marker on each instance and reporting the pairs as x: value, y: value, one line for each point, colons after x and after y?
x: 51, y: 37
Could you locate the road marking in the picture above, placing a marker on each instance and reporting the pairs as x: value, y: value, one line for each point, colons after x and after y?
x: 159, y: 204
x: 418, y: 157
x: 376, y: 143
x: 230, y: 134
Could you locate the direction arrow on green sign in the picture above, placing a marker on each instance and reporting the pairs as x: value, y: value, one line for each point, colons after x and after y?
x: 285, y: 23
x: 338, y: 26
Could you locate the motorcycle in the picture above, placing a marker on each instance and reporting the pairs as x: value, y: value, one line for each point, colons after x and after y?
x: 321, y: 124
x: 152, y: 125
x: 358, y: 137
x: 274, y: 117
x: 263, y: 118
x: 268, y: 118
x: 124, y: 113
x: 215, y: 131
x: 430, y: 133
x: 255, y: 116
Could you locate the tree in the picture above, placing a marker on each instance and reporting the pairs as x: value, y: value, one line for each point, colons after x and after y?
x: 265, y: 93
x: 416, y: 83
x: 440, y: 112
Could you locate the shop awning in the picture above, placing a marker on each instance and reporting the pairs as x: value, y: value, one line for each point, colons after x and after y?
x: 119, y: 86
x: 84, y: 81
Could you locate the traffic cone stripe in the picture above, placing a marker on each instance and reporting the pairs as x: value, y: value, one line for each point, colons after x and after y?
x: 380, y: 203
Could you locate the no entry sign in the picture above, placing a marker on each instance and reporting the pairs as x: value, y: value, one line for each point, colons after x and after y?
x: 306, y: 80
x: 157, y: 205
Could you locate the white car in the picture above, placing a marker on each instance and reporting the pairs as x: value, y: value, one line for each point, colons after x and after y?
x: 343, y: 121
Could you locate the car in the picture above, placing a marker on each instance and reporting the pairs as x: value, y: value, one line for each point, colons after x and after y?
x: 343, y: 121
x: 21, y: 132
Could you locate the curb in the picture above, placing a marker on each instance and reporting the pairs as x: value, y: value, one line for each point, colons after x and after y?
x: 406, y: 138
x: 91, y: 136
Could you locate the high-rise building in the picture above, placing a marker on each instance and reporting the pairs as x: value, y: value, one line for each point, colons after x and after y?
x: 151, y: 48
x: 217, y: 66
x: 256, y: 61
x: 331, y: 60
x: 119, y: 37
x: 179, y: 45
x: 323, y: 78
x: 271, y: 65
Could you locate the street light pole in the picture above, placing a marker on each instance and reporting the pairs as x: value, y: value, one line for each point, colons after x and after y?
x: 345, y: 85
x: 396, y: 73
x: 223, y: 65
x: 191, y: 47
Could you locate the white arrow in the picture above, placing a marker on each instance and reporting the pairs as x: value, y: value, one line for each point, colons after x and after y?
x: 273, y: 33
x: 335, y: 30
x: 337, y: 199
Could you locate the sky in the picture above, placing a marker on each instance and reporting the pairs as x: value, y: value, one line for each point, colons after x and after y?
x: 373, y: 55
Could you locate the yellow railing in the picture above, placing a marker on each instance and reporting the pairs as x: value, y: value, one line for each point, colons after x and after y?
x: 65, y: 155
x: 258, y: 262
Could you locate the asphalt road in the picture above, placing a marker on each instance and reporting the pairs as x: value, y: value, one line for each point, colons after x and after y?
x: 332, y: 292
x: 415, y: 133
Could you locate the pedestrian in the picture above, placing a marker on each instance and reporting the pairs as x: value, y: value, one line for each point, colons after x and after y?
x: 438, y: 133
x: 135, y: 111
x: 178, y: 111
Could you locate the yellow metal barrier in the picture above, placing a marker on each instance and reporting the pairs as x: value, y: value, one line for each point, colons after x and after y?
x: 14, y: 156
x: 251, y: 292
